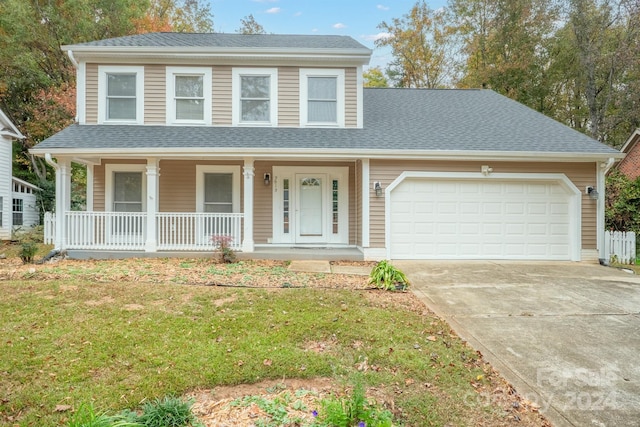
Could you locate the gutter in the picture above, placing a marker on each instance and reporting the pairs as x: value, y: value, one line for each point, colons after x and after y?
x: 342, y: 154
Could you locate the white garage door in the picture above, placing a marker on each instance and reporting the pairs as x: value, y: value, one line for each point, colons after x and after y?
x: 475, y: 219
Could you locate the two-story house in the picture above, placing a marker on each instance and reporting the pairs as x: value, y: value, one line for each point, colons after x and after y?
x: 273, y: 141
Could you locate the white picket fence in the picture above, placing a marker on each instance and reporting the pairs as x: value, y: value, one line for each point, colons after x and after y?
x: 620, y: 246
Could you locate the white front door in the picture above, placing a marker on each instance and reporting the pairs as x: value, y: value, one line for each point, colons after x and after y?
x: 310, y: 205
x: 310, y: 224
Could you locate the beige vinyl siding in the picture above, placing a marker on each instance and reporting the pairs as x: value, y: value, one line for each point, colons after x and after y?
x: 288, y: 97
x: 155, y: 110
x: 262, y: 204
x: 99, y: 180
x: 91, y: 97
x: 222, y: 93
x: 386, y: 171
x: 178, y: 184
x: 351, y: 97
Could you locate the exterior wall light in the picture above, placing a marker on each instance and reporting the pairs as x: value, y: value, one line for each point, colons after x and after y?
x: 267, y: 178
x: 592, y: 192
x: 378, y: 188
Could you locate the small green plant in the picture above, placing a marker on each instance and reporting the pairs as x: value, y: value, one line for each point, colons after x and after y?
x: 86, y: 416
x: 354, y: 411
x: 386, y: 276
x: 168, y: 412
x: 28, y: 251
x: 223, y: 247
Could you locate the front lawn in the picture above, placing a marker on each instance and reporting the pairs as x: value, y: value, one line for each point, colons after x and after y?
x: 116, y: 340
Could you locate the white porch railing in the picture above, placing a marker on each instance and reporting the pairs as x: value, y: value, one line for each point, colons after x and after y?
x: 194, y: 231
x: 127, y: 230
x: 49, y: 228
x: 620, y: 246
x: 106, y: 230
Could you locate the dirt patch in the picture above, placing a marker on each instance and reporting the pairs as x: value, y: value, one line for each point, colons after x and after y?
x: 101, y: 301
x: 133, y: 307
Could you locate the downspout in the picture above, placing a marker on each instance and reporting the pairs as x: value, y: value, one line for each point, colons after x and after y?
x: 72, y: 58
x: 601, y: 186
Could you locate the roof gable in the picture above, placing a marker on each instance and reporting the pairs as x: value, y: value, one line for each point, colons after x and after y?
x: 8, y: 128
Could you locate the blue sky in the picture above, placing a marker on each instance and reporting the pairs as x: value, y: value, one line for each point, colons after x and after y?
x: 356, y: 18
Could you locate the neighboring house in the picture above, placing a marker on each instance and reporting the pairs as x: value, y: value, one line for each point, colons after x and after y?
x: 17, y: 198
x: 273, y: 141
x: 630, y: 165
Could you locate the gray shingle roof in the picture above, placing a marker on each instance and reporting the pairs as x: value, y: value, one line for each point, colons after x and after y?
x: 223, y: 40
x: 395, y: 120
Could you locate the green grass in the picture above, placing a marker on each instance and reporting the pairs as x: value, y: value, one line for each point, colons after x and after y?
x: 115, y: 345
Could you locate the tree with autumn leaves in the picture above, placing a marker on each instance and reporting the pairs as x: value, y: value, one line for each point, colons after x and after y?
x: 37, y: 80
x: 573, y: 60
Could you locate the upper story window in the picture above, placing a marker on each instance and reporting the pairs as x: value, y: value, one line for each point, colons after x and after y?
x: 121, y: 94
x: 189, y: 95
x: 322, y: 97
x: 255, y: 96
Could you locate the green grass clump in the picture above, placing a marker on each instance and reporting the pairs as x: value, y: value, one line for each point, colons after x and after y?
x: 168, y: 412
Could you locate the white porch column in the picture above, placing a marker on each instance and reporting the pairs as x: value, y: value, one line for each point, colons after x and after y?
x: 249, y: 173
x: 63, y: 201
x: 151, y: 244
x: 89, y: 202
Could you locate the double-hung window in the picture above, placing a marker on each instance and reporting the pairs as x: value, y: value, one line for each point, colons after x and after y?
x: 322, y: 97
x: 218, y: 189
x: 121, y: 94
x: 189, y: 95
x: 255, y: 96
x: 18, y: 212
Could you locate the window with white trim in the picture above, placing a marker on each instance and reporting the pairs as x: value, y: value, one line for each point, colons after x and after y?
x: 255, y: 96
x: 126, y: 187
x: 18, y: 212
x: 121, y: 94
x: 189, y: 95
x: 322, y: 97
x: 218, y: 189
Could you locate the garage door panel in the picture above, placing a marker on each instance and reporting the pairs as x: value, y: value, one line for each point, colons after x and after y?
x: 475, y: 219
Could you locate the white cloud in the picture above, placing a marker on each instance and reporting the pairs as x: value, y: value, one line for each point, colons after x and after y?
x: 374, y: 37
x: 339, y: 26
x: 273, y: 10
x: 382, y: 7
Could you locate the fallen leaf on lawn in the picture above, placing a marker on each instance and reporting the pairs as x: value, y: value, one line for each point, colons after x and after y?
x: 431, y: 338
x: 62, y: 408
x: 240, y: 363
x: 409, y: 381
x: 267, y: 362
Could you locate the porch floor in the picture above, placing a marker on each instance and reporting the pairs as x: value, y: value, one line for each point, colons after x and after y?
x: 277, y: 253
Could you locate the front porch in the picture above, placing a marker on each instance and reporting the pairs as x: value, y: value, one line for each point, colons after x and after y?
x: 265, y: 209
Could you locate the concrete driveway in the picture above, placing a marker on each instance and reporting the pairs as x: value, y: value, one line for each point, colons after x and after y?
x: 566, y: 335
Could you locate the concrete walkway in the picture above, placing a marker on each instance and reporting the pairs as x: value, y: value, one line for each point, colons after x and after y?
x: 323, y: 266
x: 566, y: 335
